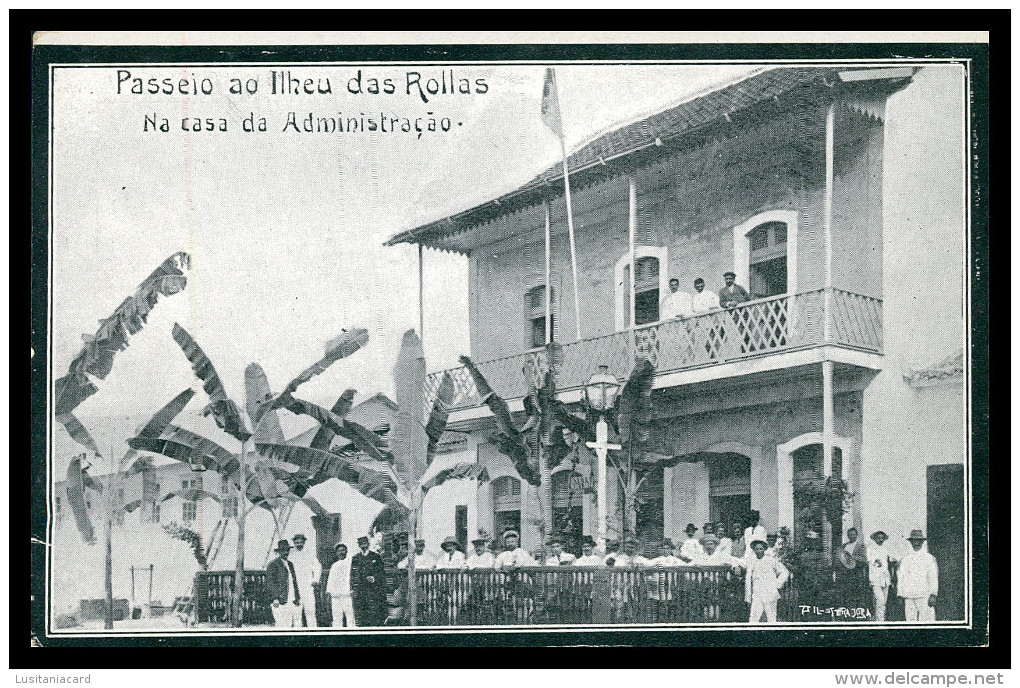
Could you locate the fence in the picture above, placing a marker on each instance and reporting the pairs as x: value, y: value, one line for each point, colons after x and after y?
x: 548, y: 595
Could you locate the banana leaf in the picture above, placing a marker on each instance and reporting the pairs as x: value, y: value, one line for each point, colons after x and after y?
x: 96, y: 356
x: 131, y: 506
x: 225, y: 412
x: 76, y: 500
x: 183, y: 445
x: 410, y: 442
x: 339, y: 347
x: 324, y: 436
x: 374, y: 479
x: 496, y: 404
x: 78, y: 432
x: 166, y: 415
x: 364, y: 439
x: 257, y: 397
x: 461, y: 471
x: 634, y: 405
x: 439, y: 415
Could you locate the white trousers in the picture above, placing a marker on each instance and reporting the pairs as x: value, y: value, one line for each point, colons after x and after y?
x: 343, y: 610
x: 308, y: 601
x: 287, y: 615
x: 757, y: 607
x: 917, y: 609
x: 881, y: 593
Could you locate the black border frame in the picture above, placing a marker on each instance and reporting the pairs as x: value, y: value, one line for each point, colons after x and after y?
x: 888, y: 645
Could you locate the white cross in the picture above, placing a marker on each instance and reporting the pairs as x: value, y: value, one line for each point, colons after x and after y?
x: 601, y: 446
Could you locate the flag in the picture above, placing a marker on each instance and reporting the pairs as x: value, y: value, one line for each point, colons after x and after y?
x: 551, y: 103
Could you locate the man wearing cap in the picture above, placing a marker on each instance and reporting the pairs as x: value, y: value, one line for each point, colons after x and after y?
x: 308, y: 571
x: 917, y: 580
x: 339, y: 588
x: 691, y: 549
x: 556, y: 556
x: 368, y: 586
x: 879, y: 575
x: 513, y: 555
x: 765, y: 576
x: 677, y: 304
x: 588, y: 556
x: 284, y: 588
x: 732, y: 294
x: 481, y: 558
x: 754, y: 532
x: 452, y: 557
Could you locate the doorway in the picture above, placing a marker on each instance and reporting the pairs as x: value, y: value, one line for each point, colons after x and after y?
x: 729, y: 488
x: 946, y: 537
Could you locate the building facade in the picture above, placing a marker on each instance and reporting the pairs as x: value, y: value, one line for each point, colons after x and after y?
x: 838, y: 198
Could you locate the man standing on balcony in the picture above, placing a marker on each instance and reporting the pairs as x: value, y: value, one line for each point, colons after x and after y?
x: 452, y: 557
x: 732, y: 294
x: 588, y: 556
x: 513, y: 556
x: 556, y: 555
x: 917, y: 580
x: 755, y: 532
x: 739, y: 546
x: 482, y: 558
x: 677, y: 304
x: 423, y: 561
x: 765, y: 576
x: 703, y: 301
x: 691, y: 549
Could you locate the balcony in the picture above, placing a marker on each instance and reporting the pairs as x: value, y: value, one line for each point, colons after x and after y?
x: 756, y: 329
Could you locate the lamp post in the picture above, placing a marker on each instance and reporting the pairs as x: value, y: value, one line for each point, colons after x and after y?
x: 600, y: 391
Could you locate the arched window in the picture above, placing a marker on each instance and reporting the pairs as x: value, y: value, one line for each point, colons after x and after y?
x: 767, y: 265
x: 765, y: 253
x: 650, y: 285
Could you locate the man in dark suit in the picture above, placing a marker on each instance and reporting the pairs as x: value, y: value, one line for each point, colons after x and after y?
x: 732, y: 294
x: 368, y: 586
x: 284, y: 591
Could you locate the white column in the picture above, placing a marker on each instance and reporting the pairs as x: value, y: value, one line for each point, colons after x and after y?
x: 601, y: 438
x: 827, y: 222
x: 631, y: 231
x: 784, y: 486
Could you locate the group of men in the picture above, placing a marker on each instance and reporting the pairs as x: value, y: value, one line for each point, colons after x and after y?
x: 682, y: 304
x: 356, y: 585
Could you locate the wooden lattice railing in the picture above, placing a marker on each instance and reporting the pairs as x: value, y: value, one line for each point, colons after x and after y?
x: 756, y: 328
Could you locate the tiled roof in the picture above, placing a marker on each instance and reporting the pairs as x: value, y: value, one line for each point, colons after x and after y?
x: 647, y: 134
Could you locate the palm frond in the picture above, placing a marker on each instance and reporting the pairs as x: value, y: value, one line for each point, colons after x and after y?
x: 634, y: 405
x: 225, y: 412
x: 191, y: 494
x: 409, y: 440
x: 183, y: 445
x: 462, y: 471
x: 339, y: 347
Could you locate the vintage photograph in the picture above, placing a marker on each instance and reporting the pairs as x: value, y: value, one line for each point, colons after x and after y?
x: 350, y: 346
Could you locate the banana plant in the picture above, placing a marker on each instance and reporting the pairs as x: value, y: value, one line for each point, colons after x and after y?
x: 268, y: 483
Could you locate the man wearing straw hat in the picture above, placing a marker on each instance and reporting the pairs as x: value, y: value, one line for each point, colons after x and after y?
x: 481, y: 558
x: 765, y: 576
x: 339, y: 588
x: 918, y: 580
x: 284, y: 588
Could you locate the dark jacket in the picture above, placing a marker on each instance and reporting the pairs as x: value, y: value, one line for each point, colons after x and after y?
x: 277, y: 573
x: 363, y: 566
x: 735, y: 293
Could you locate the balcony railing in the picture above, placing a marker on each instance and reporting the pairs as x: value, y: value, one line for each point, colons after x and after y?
x: 757, y: 328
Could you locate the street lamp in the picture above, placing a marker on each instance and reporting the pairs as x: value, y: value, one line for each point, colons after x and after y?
x: 600, y: 391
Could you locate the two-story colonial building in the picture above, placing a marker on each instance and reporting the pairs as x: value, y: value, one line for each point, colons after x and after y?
x: 838, y: 197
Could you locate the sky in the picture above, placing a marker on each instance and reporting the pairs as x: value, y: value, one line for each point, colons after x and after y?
x: 285, y: 229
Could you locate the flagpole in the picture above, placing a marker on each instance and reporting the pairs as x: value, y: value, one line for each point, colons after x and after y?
x: 631, y: 231
x: 570, y: 230
x: 548, y: 275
